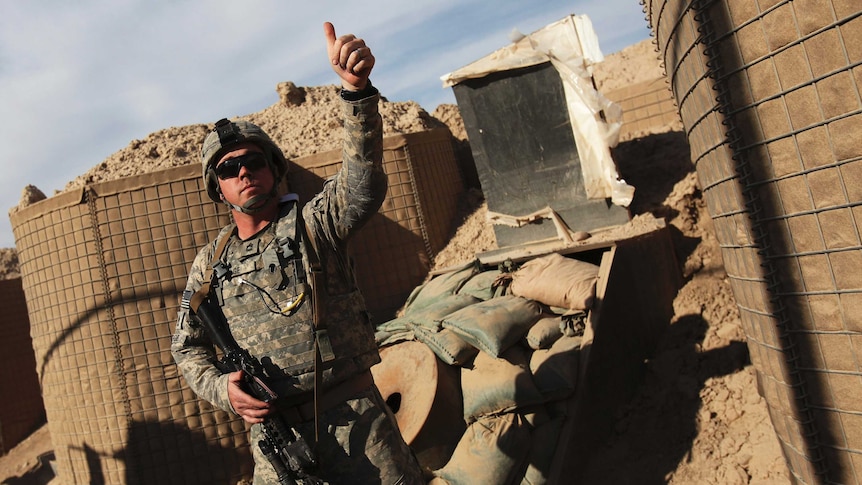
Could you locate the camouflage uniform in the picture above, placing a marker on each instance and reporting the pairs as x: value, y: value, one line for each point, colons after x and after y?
x: 360, y: 441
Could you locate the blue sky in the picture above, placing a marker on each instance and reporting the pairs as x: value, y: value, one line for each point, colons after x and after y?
x: 80, y: 79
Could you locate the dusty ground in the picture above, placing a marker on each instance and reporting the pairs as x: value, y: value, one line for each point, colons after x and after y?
x: 697, y: 417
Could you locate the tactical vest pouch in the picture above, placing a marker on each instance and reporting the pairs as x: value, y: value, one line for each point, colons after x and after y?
x: 355, y: 333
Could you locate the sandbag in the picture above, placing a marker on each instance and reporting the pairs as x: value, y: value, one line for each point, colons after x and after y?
x: 447, y: 345
x: 385, y: 338
x: 498, y: 385
x: 485, y: 285
x: 544, y: 332
x: 494, y: 325
x: 557, y: 281
x: 543, y: 447
x: 555, y: 370
x: 536, y: 415
x: 430, y: 316
x: 392, y: 326
x: 439, y: 287
x: 493, y: 450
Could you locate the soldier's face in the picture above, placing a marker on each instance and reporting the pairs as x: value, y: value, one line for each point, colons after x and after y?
x: 249, y: 181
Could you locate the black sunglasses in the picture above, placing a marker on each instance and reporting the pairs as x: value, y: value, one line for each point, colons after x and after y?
x: 230, y: 168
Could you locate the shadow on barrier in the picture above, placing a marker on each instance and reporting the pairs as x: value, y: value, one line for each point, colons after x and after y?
x: 817, y: 435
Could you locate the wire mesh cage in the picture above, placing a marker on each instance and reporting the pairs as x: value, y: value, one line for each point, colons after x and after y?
x: 769, y: 94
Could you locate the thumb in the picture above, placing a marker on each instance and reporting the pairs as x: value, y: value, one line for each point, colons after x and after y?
x: 329, y: 32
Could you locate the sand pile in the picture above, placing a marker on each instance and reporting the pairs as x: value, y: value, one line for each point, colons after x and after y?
x: 9, y: 264
x: 306, y: 120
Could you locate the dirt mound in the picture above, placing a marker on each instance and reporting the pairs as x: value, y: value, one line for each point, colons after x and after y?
x: 9, y: 264
x: 634, y: 64
x: 306, y: 120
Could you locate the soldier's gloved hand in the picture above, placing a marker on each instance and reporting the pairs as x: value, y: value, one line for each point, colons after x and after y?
x: 351, y: 59
x: 251, y: 410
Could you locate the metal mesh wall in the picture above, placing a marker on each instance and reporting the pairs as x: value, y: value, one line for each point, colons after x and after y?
x: 102, y: 269
x: 647, y: 107
x: 769, y: 93
x: 21, y: 409
x: 393, y: 252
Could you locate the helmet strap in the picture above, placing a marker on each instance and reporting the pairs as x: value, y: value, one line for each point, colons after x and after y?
x: 254, y: 205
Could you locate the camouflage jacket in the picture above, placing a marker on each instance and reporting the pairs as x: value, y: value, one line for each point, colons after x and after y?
x: 344, y: 205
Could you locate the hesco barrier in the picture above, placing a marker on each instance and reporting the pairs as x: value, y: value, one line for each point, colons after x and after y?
x: 648, y: 107
x: 393, y: 253
x: 102, y: 270
x: 769, y: 94
x: 21, y: 409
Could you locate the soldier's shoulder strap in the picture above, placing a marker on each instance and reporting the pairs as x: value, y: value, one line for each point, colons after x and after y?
x: 323, y: 352
x: 221, y: 243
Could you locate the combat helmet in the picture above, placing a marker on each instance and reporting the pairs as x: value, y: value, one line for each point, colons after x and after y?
x: 227, y: 134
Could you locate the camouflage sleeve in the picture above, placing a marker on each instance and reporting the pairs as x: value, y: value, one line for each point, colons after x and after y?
x: 192, y: 349
x: 354, y: 195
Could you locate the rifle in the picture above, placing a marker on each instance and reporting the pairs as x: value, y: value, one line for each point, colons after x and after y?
x: 283, y: 446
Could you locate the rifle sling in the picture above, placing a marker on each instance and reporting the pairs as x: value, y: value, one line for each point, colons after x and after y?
x: 204, y: 291
x: 315, y: 278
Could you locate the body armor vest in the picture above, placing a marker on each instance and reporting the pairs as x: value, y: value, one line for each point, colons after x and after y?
x: 263, y: 288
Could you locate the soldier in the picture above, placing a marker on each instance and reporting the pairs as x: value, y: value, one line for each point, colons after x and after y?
x: 262, y: 263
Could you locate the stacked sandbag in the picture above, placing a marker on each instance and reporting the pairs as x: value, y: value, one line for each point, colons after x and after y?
x: 514, y: 334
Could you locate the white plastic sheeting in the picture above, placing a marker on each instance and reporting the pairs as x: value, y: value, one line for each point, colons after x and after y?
x: 572, y: 47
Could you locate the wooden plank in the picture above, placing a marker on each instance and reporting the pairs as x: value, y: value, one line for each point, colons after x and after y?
x: 638, y: 281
